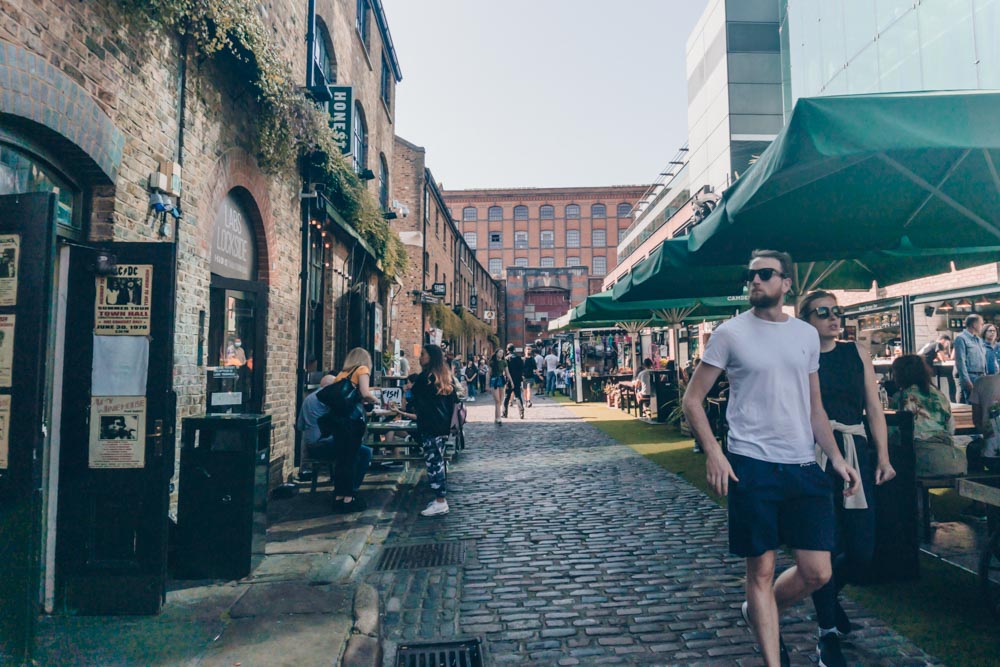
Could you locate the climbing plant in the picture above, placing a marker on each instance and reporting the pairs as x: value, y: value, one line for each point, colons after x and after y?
x: 289, y: 126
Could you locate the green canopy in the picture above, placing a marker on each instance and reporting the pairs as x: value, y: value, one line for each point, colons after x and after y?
x: 673, y: 271
x: 603, y: 308
x: 851, y: 174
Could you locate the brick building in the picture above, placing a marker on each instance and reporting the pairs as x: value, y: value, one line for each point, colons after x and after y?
x: 208, y: 306
x: 547, y: 228
x: 467, y: 312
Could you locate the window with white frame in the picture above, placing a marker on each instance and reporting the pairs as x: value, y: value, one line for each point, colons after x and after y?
x: 496, y: 266
x: 548, y: 262
x: 600, y: 266
x: 598, y: 238
x: 494, y: 214
x: 572, y: 238
x: 469, y: 214
x: 521, y: 239
x: 548, y: 239
x: 496, y: 240
x: 471, y: 238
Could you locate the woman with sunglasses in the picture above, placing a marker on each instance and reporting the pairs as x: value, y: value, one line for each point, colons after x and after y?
x: 850, y: 394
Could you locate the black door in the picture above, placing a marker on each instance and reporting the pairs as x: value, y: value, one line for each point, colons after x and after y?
x: 29, y: 222
x: 117, y: 452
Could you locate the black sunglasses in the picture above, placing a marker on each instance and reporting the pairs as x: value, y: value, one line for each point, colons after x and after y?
x: 765, y: 274
x: 826, y: 312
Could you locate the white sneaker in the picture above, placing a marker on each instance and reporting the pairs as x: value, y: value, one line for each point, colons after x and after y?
x: 435, y: 508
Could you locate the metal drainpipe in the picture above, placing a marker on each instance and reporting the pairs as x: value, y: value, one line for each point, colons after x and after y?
x: 305, y: 207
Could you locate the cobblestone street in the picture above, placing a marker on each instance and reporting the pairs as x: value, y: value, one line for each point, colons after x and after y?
x: 581, y: 551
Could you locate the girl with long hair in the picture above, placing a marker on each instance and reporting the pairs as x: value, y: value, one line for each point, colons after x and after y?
x: 433, y: 404
x: 850, y: 397
x: 498, y: 380
x: 933, y: 423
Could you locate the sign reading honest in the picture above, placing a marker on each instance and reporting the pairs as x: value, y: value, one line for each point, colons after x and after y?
x: 233, y: 252
x: 341, y: 110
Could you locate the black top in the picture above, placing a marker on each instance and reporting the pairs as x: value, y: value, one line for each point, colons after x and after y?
x: 529, y: 365
x: 433, y: 411
x: 842, y: 381
x: 515, y: 366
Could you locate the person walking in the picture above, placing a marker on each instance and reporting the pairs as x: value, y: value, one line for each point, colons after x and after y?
x: 551, y: 364
x: 777, y: 492
x: 515, y: 373
x: 472, y: 378
x: 970, y: 355
x: 539, y: 371
x: 990, y: 341
x: 434, y: 400
x: 530, y: 368
x: 850, y: 394
x: 346, y: 420
x: 498, y: 380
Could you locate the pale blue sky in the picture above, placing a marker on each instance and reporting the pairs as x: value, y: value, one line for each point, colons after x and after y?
x: 507, y: 93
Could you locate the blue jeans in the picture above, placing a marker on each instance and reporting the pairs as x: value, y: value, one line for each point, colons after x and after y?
x: 471, y: 384
x: 550, y: 383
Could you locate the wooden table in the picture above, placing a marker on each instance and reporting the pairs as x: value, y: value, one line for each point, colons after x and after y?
x: 374, y: 438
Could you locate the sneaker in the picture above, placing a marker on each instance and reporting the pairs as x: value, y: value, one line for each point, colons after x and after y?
x: 843, y: 623
x: 435, y: 509
x: 786, y: 660
x: 529, y: 404
x: 504, y: 414
x: 522, y: 413
x: 829, y: 651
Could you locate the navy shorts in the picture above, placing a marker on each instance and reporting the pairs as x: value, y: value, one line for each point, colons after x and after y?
x: 497, y: 382
x: 777, y: 504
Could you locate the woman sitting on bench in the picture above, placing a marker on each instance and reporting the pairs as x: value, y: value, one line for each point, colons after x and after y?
x: 933, y: 424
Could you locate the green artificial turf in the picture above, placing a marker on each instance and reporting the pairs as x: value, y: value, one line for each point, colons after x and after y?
x: 941, y: 612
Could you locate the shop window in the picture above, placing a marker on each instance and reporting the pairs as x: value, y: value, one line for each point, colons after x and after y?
x: 22, y: 174
x: 521, y: 240
x: 598, y: 211
x: 547, y: 212
x: 494, y: 214
x: 572, y: 238
x: 520, y: 212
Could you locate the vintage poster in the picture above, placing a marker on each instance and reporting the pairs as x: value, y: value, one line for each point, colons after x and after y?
x: 4, y: 426
x: 6, y: 349
x: 117, y: 432
x: 122, y: 306
x: 10, y: 253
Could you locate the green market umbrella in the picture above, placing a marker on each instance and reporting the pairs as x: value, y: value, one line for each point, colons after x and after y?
x: 851, y: 174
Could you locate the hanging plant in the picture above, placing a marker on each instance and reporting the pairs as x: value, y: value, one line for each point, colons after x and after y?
x: 289, y: 126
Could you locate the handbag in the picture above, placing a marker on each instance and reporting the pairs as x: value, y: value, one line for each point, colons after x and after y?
x: 342, y: 397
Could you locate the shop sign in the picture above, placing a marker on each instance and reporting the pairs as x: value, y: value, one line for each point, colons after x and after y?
x: 117, y: 432
x: 122, y: 306
x: 341, y: 114
x: 234, y: 254
x: 473, y: 302
x: 439, y: 289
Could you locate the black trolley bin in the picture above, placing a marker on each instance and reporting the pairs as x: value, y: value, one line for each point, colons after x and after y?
x: 222, y: 495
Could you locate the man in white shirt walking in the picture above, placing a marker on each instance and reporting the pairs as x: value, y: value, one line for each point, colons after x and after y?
x: 551, y: 364
x: 777, y: 493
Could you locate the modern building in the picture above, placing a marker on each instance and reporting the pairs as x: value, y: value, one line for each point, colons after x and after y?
x: 544, y: 228
x: 446, y: 295
x: 120, y: 318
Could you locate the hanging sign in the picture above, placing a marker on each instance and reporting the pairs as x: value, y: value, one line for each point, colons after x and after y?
x: 439, y: 289
x: 117, y: 432
x: 341, y: 111
x: 473, y: 302
x: 10, y: 251
x: 4, y: 427
x: 6, y: 349
x: 122, y: 306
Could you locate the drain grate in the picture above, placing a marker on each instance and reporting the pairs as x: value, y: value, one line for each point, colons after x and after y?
x: 412, y: 556
x: 458, y: 654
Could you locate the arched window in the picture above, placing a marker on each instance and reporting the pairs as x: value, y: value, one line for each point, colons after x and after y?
x: 494, y: 214
x: 359, y: 149
x: 598, y: 211
x: 324, y: 60
x: 469, y: 214
x: 520, y: 212
x: 27, y: 174
x: 383, y: 182
x: 521, y: 261
x: 624, y: 210
x: 572, y: 211
x: 547, y: 212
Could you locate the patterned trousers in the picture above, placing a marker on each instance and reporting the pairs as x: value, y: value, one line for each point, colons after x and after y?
x: 433, y: 448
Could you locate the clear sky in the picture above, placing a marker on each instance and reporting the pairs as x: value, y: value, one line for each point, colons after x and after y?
x: 531, y: 93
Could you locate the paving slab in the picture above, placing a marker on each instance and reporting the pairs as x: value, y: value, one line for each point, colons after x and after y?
x: 293, y: 641
x: 272, y: 600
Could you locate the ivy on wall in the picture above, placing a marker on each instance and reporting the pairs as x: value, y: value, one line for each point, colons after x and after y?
x: 289, y: 125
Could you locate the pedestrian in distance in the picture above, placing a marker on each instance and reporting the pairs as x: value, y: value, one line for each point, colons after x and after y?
x: 484, y: 371
x: 529, y: 375
x: 472, y: 378
x: 777, y: 492
x: 551, y: 364
x: 515, y: 373
x: 404, y: 364
x: 850, y: 397
x: 539, y: 371
x: 970, y: 355
x: 990, y: 340
x: 345, y: 397
x: 433, y: 404
x: 498, y: 380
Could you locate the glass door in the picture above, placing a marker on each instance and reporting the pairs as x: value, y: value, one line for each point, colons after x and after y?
x: 232, y: 345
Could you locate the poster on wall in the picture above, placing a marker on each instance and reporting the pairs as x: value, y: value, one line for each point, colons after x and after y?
x: 117, y: 432
x: 4, y: 424
x: 122, y: 306
x: 377, y: 338
x: 10, y: 252
x: 6, y: 349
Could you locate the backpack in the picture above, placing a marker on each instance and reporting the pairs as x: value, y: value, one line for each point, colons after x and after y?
x: 342, y: 397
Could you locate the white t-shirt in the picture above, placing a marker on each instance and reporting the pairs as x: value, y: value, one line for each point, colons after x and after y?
x: 645, y: 379
x: 539, y: 362
x: 768, y: 365
x: 551, y: 362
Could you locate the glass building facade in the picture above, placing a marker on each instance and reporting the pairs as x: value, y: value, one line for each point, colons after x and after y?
x: 866, y: 46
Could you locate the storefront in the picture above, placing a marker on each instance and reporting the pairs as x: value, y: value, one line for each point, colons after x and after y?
x: 883, y: 327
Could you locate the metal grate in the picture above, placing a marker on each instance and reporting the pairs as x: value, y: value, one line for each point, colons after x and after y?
x: 412, y: 556
x: 458, y: 654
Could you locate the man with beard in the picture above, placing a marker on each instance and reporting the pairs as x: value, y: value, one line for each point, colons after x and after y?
x: 777, y: 493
